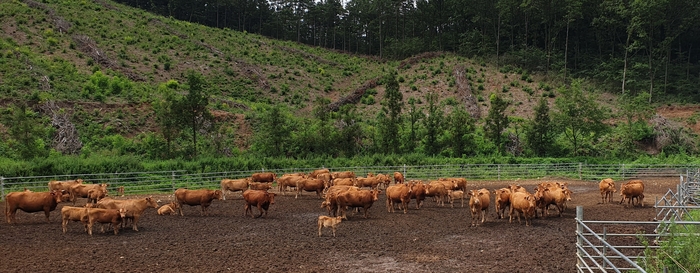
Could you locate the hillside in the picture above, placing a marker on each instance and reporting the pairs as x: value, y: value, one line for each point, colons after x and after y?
x: 103, y: 63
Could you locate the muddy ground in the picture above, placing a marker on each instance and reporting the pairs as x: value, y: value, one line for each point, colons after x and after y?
x: 432, y: 239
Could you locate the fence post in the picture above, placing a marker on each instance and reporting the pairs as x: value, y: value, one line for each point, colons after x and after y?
x: 579, y: 234
x: 2, y: 187
x: 499, y: 172
x: 404, y: 170
x: 172, y: 180
x: 622, y: 170
x: 605, y: 238
x: 580, y: 166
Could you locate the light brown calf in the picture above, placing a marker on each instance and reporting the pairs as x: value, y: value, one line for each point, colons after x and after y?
x: 325, y: 221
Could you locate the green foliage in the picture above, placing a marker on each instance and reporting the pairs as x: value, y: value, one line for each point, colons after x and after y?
x: 579, y: 117
x: 539, y: 131
x: 26, y: 131
x: 497, y: 122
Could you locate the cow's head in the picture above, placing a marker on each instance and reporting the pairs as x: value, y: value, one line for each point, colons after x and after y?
x: 218, y: 195
x: 57, y: 195
x: 151, y: 202
x: 271, y: 197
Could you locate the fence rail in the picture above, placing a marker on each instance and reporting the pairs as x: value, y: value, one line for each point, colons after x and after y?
x: 597, y: 250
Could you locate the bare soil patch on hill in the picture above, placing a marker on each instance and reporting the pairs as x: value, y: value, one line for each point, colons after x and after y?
x: 432, y: 239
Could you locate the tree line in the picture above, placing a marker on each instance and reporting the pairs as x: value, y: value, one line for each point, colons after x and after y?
x: 631, y: 46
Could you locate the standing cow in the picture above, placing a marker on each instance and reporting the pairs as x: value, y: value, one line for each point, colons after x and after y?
x: 478, y: 204
x: 201, y: 197
x: 607, y: 188
x: 28, y: 201
x: 630, y: 190
x: 258, y: 198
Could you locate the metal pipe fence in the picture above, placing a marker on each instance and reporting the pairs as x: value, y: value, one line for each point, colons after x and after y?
x: 168, y: 181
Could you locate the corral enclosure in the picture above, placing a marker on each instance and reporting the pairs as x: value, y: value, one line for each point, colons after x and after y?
x: 432, y: 239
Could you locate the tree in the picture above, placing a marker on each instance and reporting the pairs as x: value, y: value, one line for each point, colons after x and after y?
x: 539, y: 130
x: 433, y: 124
x: 413, y: 116
x: 166, y: 113
x: 274, y: 132
x: 192, y: 108
x: 461, y: 130
x: 350, y: 131
x: 497, y: 121
x: 390, y: 119
x: 579, y: 116
x: 25, y: 130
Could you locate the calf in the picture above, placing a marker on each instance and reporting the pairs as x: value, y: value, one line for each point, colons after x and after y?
x: 168, y: 209
x: 77, y: 214
x: 632, y: 189
x: 455, y: 195
x: 522, y: 203
x: 105, y: 216
x: 31, y: 202
x: 478, y: 203
x: 261, y: 199
x: 82, y: 190
x: 201, y: 197
x: 325, y: 221
x: 607, y: 188
x: 96, y: 194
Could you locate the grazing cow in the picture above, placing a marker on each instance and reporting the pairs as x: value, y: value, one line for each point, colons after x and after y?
x: 357, y: 199
x: 398, y: 193
x: 258, y: 198
x: 522, y: 203
x: 120, y: 191
x: 81, y: 190
x: 203, y: 197
x: 233, y: 185
x: 630, y: 190
x: 417, y: 192
x: 549, y: 196
x: 168, y: 209
x: 461, y: 182
x: 398, y: 178
x: 105, y: 216
x: 438, y: 191
x: 31, y: 202
x: 370, y: 182
x: 134, y: 207
x: 96, y: 194
x: 502, y: 201
x: 607, y: 188
x: 326, y: 178
x: 77, y: 214
x: 310, y: 185
x: 285, y: 182
x: 478, y: 204
x: 263, y: 186
x: 455, y: 195
x: 345, y: 174
x: 344, y: 181
x: 325, y: 221
x: 315, y: 173
x: 263, y: 177
x: 331, y: 201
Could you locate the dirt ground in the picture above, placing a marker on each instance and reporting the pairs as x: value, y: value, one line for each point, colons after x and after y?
x: 432, y: 239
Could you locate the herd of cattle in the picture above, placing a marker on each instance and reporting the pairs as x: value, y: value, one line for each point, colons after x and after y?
x: 339, y: 191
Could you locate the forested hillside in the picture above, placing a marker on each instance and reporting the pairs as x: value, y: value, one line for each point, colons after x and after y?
x: 102, y: 82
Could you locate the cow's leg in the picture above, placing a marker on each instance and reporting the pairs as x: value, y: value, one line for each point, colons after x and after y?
x: 47, y: 211
x: 134, y: 222
x: 333, y: 227
x: 260, y: 210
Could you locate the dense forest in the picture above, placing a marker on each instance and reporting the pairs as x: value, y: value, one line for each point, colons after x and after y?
x: 636, y: 46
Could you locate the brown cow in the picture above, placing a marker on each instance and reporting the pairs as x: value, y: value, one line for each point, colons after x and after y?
x: 357, y: 199
x: 258, y: 198
x: 522, y: 203
x: 310, y: 185
x: 285, y: 182
x: 134, y: 207
x: 81, y: 190
x: 550, y: 196
x: 31, y: 202
x: 398, y: 193
x: 263, y: 186
x: 630, y: 190
x: 438, y: 191
x: 263, y: 177
x: 417, y: 192
x: 478, y: 204
x: 370, y: 182
x: 345, y: 174
x: 398, y: 178
x: 607, y: 188
x: 326, y: 178
x: 502, y: 201
x: 120, y: 191
x: 384, y: 179
x: 77, y: 214
x: 105, y: 216
x: 315, y: 173
x: 96, y: 194
x: 63, y: 185
x: 168, y: 209
x: 331, y: 201
x: 344, y: 181
x: 325, y: 221
x: 461, y: 182
x: 233, y: 185
x: 203, y: 197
